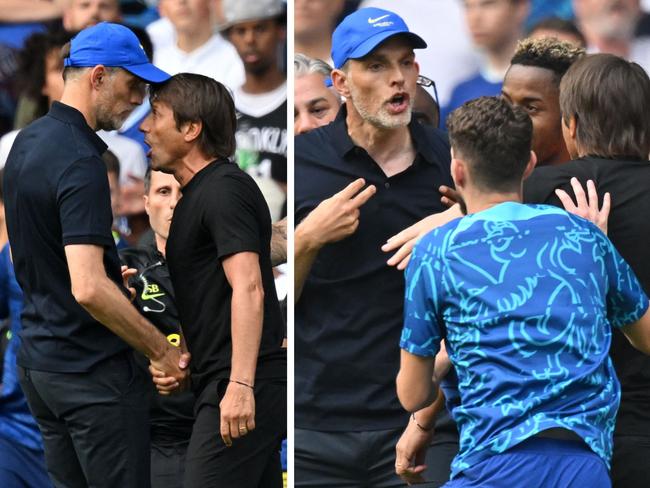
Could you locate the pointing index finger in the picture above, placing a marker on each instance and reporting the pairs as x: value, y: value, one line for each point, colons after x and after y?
x: 364, y: 196
x: 352, y: 189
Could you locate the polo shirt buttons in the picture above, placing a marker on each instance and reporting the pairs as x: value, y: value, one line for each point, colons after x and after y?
x: 387, y: 185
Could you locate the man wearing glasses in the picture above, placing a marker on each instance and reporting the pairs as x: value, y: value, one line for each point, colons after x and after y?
x: 349, y: 315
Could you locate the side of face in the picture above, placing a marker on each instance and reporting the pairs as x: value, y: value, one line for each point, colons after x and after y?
x: 536, y: 90
x: 159, y: 203
x: 611, y: 19
x: 494, y: 22
x: 315, y: 104
x: 117, y: 95
x: 114, y: 187
x: 84, y: 13
x: 256, y: 43
x: 381, y: 86
x: 165, y: 139
x: 53, y: 79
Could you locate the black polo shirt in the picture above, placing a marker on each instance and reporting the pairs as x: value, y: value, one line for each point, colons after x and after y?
x: 222, y: 212
x: 628, y: 182
x: 56, y: 193
x: 349, y: 317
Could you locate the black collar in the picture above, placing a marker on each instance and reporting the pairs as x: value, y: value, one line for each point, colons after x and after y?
x: 72, y: 116
x: 344, y: 144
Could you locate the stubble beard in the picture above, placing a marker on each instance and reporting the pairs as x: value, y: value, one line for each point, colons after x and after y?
x: 382, y: 119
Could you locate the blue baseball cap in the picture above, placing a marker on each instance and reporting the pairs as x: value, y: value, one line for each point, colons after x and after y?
x: 363, y: 30
x: 112, y: 45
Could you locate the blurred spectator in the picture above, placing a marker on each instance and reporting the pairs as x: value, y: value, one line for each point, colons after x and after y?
x: 314, y: 22
x: 113, y: 172
x: 257, y: 29
x: 195, y: 47
x: 315, y: 104
x: 425, y: 108
x: 561, y: 29
x: 495, y: 25
x: 79, y: 14
x: 609, y: 27
x: 545, y: 9
x: 449, y: 57
x: 22, y: 462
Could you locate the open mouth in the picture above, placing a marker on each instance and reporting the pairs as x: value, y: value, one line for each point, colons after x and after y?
x: 398, y: 103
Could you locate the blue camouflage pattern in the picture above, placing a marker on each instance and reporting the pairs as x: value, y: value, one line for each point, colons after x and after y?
x: 526, y: 297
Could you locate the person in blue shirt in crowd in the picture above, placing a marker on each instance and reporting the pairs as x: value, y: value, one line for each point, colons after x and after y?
x: 22, y: 462
x: 525, y: 298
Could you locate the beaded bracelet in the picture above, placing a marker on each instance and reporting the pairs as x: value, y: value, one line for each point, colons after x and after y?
x: 242, y: 383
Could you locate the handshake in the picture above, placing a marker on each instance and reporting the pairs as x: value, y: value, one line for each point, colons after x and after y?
x: 169, y: 370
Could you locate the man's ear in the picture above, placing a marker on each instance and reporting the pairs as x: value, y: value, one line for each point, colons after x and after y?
x: 192, y: 130
x: 458, y: 170
x: 340, y: 82
x: 531, y: 165
x: 97, y: 76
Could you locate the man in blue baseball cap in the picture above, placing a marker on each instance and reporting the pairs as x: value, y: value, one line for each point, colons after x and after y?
x: 76, y: 366
x: 349, y: 315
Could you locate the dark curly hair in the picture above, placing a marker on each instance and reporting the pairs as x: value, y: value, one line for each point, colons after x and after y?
x: 548, y: 53
x: 31, y: 63
x: 494, y: 139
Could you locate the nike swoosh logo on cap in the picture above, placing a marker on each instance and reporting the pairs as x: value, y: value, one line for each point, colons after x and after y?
x: 372, y: 21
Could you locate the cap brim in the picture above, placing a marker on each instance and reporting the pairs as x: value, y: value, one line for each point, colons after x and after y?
x: 369, y: 44
x: 148, y: 72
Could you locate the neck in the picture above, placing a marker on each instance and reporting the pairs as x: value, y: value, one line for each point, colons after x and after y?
x: 187, y: 167
x: 392, y: 149
x: 478, y: 201
x: 317, y: 46
x: 257, y: 83
x: 619, y: 47
x: 189, y: 40
x: 498, y: 59
x: 74, y: 96
x: 161, y: 243
x: 561, y: 157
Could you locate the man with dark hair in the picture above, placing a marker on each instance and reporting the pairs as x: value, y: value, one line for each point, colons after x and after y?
x: 605, y: 102
x: 257, y: 29
x: 513, y: 290
x: 76, y: 368
x: 533, y: 82
x: 171, y: 417
x: 218, y: 253
x: 347, y: 415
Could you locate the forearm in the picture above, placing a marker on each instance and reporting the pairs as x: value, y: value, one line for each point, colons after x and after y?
x: 108, y: 305
x: 279, y: 243
x: 29, y: 10
x: 426, y: 417
x: 305, y: 252
x: 247, y: 315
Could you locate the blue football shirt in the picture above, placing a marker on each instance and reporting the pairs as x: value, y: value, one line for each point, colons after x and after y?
x: 525, y: 296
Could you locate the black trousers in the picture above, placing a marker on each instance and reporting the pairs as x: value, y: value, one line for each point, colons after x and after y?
x: 252, y: 461
x: 348, y: 459
x: 631, y: 461
x: 95, y: 425
x: 168, y: 465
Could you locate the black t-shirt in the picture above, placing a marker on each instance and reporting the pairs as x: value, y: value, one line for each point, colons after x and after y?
x: 350, y: 314
x: 264, y: 142
x: 171, y: 417
x: 222, y: 212
x: 56, y: 194
x: 628, y: 182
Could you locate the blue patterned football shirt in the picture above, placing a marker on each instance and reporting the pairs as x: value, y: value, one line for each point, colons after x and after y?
x: 526, y: 296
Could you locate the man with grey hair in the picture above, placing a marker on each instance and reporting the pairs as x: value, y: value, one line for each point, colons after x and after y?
x: 315, y: 104
x: 76, y: 367
x: 349, y: 315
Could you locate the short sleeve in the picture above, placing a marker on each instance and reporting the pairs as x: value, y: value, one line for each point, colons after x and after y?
x: 84, y: 203
x: 626, y: 300
x: 423, y: 327
x: 231, y: 216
